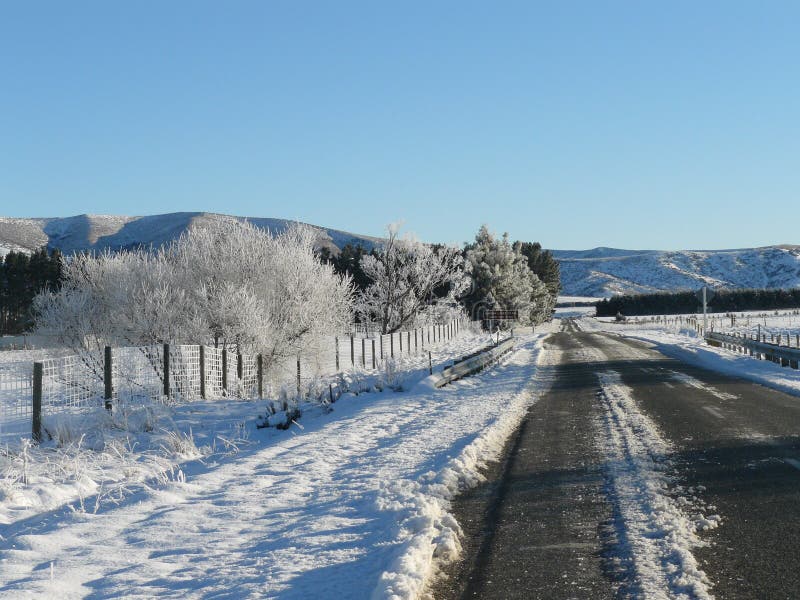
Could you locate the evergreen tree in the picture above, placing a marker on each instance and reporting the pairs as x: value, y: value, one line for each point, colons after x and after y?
x: 504, y: 281
x: 21, y: 278
x: 348, y: 263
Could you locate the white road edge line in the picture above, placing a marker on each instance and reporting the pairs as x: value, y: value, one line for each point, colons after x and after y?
x: 713, y: 411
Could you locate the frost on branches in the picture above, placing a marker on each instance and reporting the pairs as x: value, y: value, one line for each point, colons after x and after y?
x: 224, y: 283
x: 408, y: 278
x: 503, y: 280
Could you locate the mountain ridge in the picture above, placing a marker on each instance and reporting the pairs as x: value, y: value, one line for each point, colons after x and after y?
x: 597, y: 272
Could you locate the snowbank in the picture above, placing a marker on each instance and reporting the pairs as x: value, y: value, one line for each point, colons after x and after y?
x: 351, y: 503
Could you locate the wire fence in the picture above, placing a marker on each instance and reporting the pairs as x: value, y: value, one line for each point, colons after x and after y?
x: 81, y: 383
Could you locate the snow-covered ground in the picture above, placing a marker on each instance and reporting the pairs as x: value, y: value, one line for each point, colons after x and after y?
x: 681, y: 341
x: 351, y: 503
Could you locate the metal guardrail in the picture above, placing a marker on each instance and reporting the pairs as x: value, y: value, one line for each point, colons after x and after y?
x: 783, y: 355
x: 474, y: 364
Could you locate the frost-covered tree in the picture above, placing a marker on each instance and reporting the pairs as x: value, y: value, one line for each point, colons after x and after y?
x: 503, y: 280
x: 404, y: 275
x: 226, y: 283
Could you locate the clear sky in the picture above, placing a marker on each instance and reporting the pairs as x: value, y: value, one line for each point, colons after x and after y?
x: 635, y: 124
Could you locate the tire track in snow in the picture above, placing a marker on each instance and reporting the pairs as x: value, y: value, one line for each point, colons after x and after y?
x: 653, y: 537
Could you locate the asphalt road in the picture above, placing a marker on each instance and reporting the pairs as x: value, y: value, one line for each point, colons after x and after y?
x: 543, y: 524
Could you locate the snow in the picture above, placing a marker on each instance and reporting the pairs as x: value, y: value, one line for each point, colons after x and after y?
x: 82, y: 232
x: 654, y: 534
x: 604, y: 271
x: 352, y: 503
x: 686, y: 345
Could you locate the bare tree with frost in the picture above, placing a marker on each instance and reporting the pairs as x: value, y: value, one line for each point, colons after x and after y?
x: 224, y: 283
x: 405, y: 275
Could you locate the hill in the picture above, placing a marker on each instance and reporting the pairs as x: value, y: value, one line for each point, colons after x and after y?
x: 100, y: 232
x: 608, y: 271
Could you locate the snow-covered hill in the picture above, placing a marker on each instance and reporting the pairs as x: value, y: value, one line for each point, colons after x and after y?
x: 97, y: 232
x: 597, y: 272
x: 607, y: 271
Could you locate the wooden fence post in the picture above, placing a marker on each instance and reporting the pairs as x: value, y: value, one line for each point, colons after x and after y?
x: 337, y: 353
x: 239, y: 366
x: 298, y: 375
x: 36, y: 425
x: 381, y: 342
x: 391, y: 345
x: 166, y: 370
x: 260, y: 362
x: 202, y: 371
x: 352, y: 352
x: 363, y: 353
x: 400, y: 335
x: 224, y: 371
x: 373, y: 354
x: 408, y: 339
x: 416, y: 343
x: 107, y: 377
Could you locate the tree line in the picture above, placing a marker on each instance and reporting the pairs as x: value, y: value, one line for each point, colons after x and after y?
x: 672, y: 303
x: 233, y: 283
x: 403, y: 279
x: 22, y: 276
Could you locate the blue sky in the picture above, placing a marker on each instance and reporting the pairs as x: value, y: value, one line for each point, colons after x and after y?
x: 578, y: 124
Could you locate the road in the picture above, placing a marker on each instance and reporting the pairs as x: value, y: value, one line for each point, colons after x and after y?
x: 637, y: 475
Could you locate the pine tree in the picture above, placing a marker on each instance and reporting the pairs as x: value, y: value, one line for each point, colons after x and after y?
x: 503, y: 280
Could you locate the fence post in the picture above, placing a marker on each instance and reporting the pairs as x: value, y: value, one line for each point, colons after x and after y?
x: 166, y: 370
x: 416, y: 344
x: 381, y: 341
x: 298, y: 375
x: 373, y: 354
x: 391, y: 345
x: 430, y: 363
x: 408, y: 339
x: 225, y: 371
x: 107, y: 375
x: 352, y: 352
x: 36, y: 429
x: 337, y: 353
x: 400, y: 335
x: 239, y: 366
x: 260, y: 362
x: 363, y: 353
x: 202, y: 371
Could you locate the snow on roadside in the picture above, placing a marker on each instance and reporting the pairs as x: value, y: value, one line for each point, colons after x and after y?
x: 655, y: 537
x: 348, y: 504
x: 432, y: 534
x: 688, y: 347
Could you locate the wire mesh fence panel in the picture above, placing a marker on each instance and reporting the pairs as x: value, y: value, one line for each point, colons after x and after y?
x: 184, y: 372
x: 213, y: 359
x: 232, y: 373
x: 249, y: 380
x: 138, y: 373
x: 71, y: 384
x: 15, y: 401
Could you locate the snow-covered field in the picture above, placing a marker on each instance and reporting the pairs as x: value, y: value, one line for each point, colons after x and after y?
x: 680, y: 340
x: 196, y: 501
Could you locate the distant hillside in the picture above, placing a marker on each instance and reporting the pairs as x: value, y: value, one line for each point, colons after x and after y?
x: 598, y: 272
x: 608, y: 271
x: 98, y: 232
